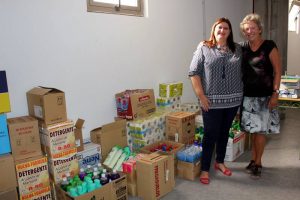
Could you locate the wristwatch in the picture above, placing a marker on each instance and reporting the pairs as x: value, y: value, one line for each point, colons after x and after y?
x: 276, y: 91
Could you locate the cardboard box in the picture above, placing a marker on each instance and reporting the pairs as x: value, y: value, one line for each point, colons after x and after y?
x: 115, y: 190
x: 58, y: 138
x: 44, y: 193
x: 188, y: 170
x: 47, y: 104
x: 8, y: 176
x: 32, y: 174
x: 24, y: 137
x: 132, y: 189
x: 62, y: 163
x: 91, y: 155
x: 11, y: 194
x: 235, y: 146
x: 78, y: 134
x: 134, y: 104
x: 155, y: 147
x: 180, y: 127
x: 4, y: 96
x: 170, y: 89
x: 110, y: 135
x: 155, y: 176
x: 4, y: 137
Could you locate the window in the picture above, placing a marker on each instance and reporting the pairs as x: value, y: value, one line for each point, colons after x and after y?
x: 294, y: 14
x: 122, y: 7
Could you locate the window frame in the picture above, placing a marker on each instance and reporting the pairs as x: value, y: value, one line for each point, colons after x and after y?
x: 99, y: 7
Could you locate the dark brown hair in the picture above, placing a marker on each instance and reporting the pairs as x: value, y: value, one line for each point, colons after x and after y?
x: 212, y: 42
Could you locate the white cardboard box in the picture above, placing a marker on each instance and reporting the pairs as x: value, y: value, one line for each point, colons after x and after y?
x: 235, y: 147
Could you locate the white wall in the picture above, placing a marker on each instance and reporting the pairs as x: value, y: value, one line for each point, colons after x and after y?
x: 293, y: 61
x: 92, y: 56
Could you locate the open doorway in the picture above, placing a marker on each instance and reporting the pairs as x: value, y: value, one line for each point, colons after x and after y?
x: 293, y: 59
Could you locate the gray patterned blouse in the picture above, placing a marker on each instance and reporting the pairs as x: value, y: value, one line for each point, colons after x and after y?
x: 220, y: 74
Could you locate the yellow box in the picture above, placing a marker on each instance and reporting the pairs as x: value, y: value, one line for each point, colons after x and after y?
x: 4, y: 102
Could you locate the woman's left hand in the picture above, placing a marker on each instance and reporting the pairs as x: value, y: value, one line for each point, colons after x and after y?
x: 273, y: 102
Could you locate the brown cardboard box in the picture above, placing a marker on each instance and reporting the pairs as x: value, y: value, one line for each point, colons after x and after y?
x: 132, y: 189
x: 62, y: 163
x: 155, y: 176
x: 110, y: 135
x: 8, y: 176
x: 188, y: 170
x: 131, y: 177
x: 180, y: 127
x: 43, y: 193
x: 176, y: 147
x: 133, y: 104
x: 32, y: 174
x: 115, y: 190
x: 47, y: 104
x: 24, y: 137
x: 10, y: 194
x: 78, y: 134
x: 58, y: 137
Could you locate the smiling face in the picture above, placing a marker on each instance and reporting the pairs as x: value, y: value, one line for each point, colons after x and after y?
x: 221, y: 31
x: 251, y: 31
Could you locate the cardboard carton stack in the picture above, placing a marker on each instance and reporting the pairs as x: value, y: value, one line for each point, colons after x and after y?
x: 48, y: 105
x: 8, y: 182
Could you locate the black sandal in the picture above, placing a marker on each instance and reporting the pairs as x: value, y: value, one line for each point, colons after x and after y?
x: 250, y: 167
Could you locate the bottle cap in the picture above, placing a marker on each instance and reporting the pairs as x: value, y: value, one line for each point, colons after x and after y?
x: 81, y: 170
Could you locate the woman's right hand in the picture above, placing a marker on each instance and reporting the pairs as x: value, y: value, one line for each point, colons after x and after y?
x: 204, y: 102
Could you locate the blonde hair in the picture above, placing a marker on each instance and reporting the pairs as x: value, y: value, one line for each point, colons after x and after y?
x: 253, y: 17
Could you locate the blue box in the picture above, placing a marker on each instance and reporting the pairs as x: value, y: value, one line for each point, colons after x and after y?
x: 4, y: 137
x: 3, y: 82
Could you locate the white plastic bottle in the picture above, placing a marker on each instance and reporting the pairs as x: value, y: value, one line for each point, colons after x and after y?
x: 111, y: 154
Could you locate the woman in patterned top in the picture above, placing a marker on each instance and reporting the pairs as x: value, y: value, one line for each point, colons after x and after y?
x: 215, y: 73
x: 261, y: 76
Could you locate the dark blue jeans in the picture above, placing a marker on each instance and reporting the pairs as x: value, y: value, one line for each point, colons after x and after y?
x: 217, y: 123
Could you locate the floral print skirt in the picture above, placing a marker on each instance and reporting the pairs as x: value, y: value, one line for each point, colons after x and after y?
x: 257, y: 118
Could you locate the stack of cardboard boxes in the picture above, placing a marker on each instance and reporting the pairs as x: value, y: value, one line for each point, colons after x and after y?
x: 8, y: 181
x: 48, y: 105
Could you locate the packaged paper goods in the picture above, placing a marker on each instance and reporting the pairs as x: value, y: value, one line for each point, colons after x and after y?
x: 4, y: 95
x: 134, y: 104
x: 58, y: 138
x: 24, y: 137
x: 173, y: 89
x: 48, y: 105
x: 4, y: 137
x: 155, y: 176
x: 168, y: 103
x: 32, y: 174
x: 62, y: 163
x: 191, y: 107
x: 44, y: 193
x: 8, y: 176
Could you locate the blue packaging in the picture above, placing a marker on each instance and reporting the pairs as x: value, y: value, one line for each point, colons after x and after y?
x: 91, y: 155
x: 4, y: 137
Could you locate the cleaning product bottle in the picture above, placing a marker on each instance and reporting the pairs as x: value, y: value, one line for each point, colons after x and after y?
x: 100, y: 168
x: 82, y: 174
x: 103, y: 180
x: 114, y: 175
x: 111, y: 155
x: 95, y: 176
x: 125, y: 155
x: 115, y: 158
x: 97, y: 183
x: 64, y: 184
